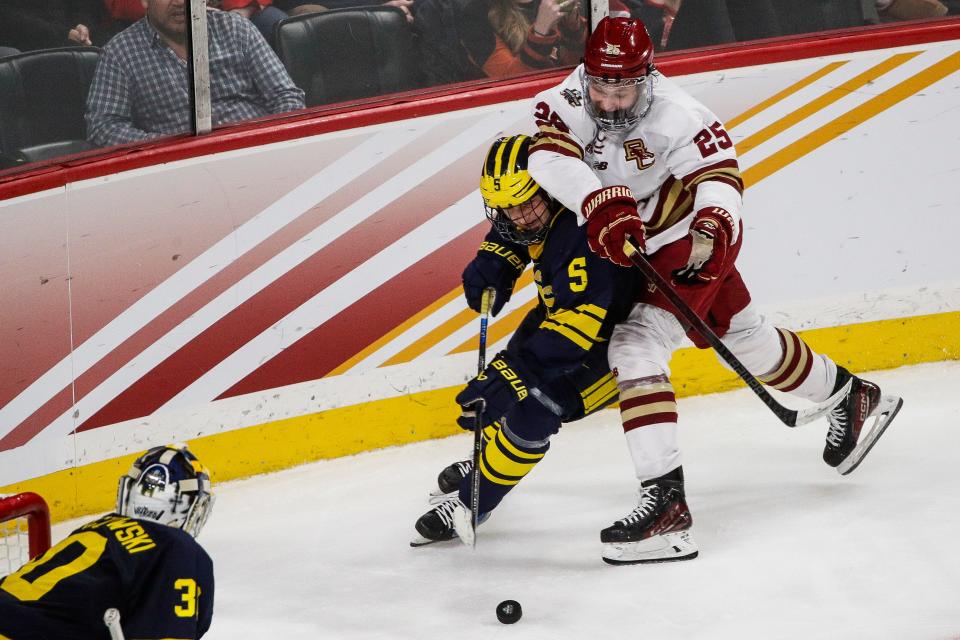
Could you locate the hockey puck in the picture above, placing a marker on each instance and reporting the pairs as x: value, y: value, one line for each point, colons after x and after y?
x: 509, y: 611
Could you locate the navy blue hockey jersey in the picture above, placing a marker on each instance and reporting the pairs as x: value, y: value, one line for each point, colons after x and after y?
x: 158, y: 577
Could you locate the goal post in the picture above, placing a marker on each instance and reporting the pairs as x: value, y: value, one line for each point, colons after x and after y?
x: 24, y: 529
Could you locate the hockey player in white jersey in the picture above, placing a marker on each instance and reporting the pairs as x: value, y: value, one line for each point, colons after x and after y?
x: 640, y: 158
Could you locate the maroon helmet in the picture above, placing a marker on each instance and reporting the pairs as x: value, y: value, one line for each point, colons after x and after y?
x: 617, y: 62
x: 619, y: 48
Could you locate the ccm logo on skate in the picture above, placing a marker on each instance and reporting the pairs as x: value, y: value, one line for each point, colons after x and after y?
x: 511, y: 377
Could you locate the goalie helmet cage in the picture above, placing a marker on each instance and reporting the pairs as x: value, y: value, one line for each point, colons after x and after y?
x: 24, y: 530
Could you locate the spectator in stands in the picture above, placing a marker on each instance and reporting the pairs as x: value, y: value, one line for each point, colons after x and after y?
x: 469, y: 39
x: 140, y: 88
x: 29, y: 25
x: 261, y: 13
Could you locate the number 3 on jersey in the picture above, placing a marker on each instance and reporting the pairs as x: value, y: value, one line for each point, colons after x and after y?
x: 188, y: 597
x: 711, y: 139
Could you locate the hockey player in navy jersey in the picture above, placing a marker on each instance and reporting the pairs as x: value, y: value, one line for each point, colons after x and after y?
x: 554, y: 369
x: 639, y: 158
x: 142, y: 560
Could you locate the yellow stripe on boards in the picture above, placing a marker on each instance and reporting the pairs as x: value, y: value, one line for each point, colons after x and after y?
x: 824, y: 101
x: 397, y: 331
x: 504, y: 326
x: 439, y: 333
x: 851, y: 119
x: 434, y: 336
x: 785, y: 93
x: 427, y: 415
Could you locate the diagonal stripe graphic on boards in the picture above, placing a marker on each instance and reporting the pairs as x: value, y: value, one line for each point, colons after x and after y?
x: 824, y: 101
x: 784, y: 94
x: 443, y: 330
x: 855, y: 117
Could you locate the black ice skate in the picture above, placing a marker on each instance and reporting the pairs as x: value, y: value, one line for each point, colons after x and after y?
x: 658, y: 530
x: 448, y: 481
x: 847, y: 445
x: 448, y: 520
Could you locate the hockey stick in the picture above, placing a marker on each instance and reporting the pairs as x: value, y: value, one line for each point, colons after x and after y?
x: 111, y: 618
x: 789, y: 417
x: 486, y: 302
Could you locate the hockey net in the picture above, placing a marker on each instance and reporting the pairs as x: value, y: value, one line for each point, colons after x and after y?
x: 24, y: 530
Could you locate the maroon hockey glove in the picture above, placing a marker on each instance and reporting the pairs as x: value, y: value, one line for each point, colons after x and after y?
x: 710, y: 232
x: 611, y: 215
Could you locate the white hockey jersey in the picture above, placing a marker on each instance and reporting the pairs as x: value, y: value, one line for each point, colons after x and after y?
x: 676, y: 160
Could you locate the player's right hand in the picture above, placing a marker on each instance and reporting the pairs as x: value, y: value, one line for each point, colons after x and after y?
x: 502, y: 385
x: 496, y: 265
x: 611, y: 215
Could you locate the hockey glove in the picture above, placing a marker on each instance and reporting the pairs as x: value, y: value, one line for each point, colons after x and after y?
x: 710, y: 233
x: 496, y: 265
x: 611, y: 215
x: 502, y: 385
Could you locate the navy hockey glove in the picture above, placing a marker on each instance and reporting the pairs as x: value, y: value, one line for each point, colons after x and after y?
x: 496, y: 265
x: 711, y: 232
x: 501, y: 386
x: 611, y: 215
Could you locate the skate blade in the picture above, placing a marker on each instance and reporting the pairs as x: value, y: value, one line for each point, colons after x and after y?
x: 666, y: 547
x: 883, y: 415
x: 420, y: 541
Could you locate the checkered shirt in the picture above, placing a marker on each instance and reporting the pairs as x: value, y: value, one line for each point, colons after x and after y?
x: 141, y: 88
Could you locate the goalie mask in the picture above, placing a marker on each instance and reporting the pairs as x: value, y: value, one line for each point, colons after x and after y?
x: 617, y: 68
x: 517, y: 207
x: 167, y: 485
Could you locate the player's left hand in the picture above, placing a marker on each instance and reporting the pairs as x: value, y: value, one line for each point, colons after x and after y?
x: 710, y: 234
x: 502, y: 385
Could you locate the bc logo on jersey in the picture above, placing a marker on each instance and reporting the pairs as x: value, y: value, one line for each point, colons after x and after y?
x: 636, y: 150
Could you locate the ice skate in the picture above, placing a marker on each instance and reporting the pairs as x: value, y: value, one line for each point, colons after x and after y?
x: 658, y: 530
x: 448, y: 520
x: 448, y: 482
x: 847, y: 444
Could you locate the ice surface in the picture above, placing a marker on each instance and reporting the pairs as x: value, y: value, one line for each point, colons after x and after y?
x: 788, y: 548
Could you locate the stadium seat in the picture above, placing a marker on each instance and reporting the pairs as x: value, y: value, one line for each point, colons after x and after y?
x: 347, y: 54
x: 43, y: 96
x: 812, y: 16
